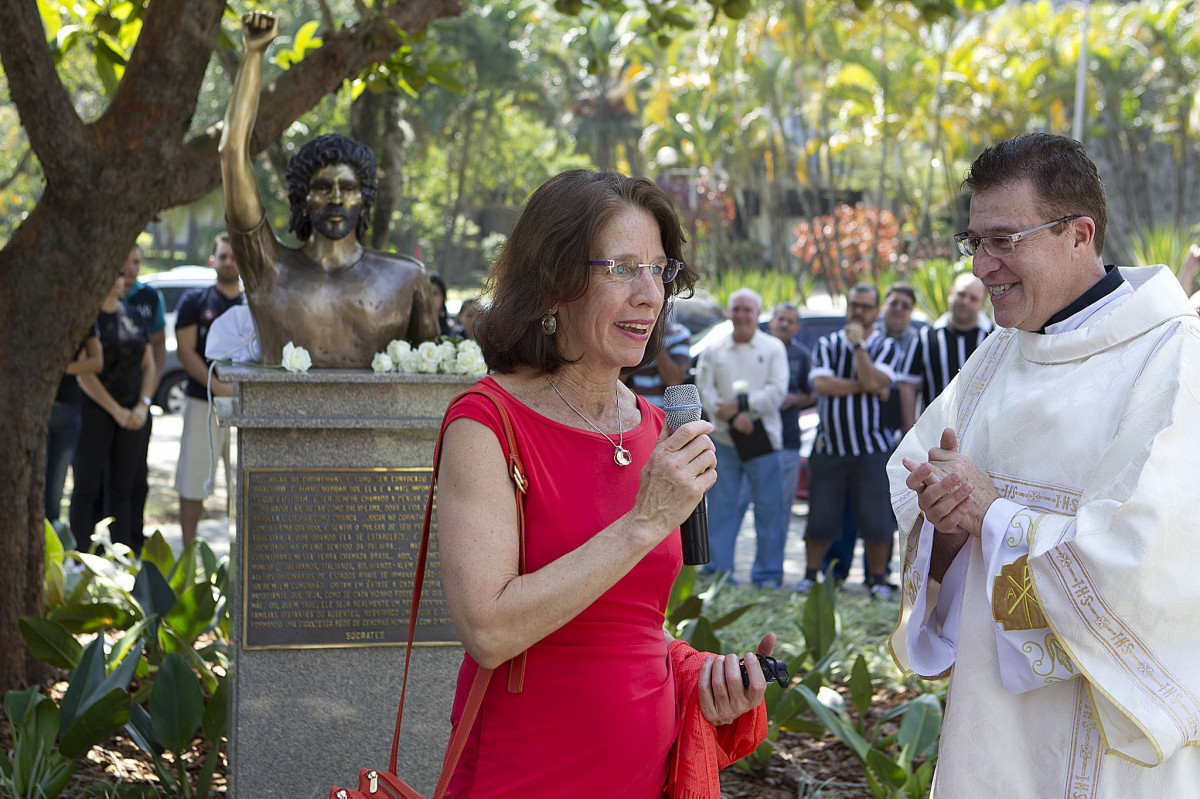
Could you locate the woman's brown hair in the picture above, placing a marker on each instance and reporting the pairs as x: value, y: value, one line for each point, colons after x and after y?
x: 544, y: 262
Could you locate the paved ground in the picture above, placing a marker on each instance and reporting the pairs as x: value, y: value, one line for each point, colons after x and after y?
x: 163, y: 512
x: 162, y: 508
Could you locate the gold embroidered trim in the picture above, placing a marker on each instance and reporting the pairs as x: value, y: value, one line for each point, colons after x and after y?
x: 1083, y: 767
x: 1014, y: 605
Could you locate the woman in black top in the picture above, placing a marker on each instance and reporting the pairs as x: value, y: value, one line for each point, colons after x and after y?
x: 114, y: 411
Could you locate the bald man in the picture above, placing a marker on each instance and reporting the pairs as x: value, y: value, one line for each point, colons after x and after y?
x: 941, y: 349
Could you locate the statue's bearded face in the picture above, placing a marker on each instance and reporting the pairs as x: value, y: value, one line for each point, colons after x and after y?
x: 334, y: 201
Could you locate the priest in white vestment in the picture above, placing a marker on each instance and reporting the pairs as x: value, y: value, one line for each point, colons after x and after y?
x: 1051, y: 500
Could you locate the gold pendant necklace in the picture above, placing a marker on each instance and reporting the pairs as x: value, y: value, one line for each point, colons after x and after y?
x: 621, y: 456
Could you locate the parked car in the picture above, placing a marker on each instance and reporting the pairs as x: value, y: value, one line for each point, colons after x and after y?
x: 173, y: 283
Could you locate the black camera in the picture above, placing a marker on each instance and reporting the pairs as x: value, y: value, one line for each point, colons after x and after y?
x: 772, y: 669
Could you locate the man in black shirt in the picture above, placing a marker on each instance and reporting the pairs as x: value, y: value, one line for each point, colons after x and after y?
x: 201, y: 435
x: 852, y: 370
x: 941, y: 349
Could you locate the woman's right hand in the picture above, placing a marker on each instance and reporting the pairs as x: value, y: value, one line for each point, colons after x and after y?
x: 682, y: 467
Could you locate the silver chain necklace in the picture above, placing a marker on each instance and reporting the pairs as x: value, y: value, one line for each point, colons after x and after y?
x: 621, y: 456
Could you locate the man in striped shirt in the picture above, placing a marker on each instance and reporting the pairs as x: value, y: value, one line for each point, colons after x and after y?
x: 942, y: 348
x: 852, y: 371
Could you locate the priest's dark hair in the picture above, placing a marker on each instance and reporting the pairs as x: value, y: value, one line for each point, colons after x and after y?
x: 317, y: 154
x: 1066, y: 181
x: 544, y: 262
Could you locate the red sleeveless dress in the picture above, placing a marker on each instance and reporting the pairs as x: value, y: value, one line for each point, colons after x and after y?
x: 597, y: 715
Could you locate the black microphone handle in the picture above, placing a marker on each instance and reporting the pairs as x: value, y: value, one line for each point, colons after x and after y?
x: 694, y: 535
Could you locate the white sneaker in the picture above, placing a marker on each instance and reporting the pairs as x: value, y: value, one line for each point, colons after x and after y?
x: 804, y: 586
x: 882, y: 591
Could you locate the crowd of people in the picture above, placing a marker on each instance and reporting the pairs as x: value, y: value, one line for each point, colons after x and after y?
x: 1035, y: 472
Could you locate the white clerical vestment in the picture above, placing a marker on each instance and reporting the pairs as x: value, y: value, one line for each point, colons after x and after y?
x: 1071, y: 627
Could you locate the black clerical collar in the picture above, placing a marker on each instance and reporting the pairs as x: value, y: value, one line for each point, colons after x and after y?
x: 1106, y: 285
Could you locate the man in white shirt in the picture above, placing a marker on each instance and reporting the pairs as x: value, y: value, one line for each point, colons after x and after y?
x: 742, y: 381
x: 1048, y: 499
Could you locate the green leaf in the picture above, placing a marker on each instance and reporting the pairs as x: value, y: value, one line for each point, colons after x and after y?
x: 35, y: 726
x: 681, y: 589
x: 176, y: 704
x: 152, y: 592
x: 183, y: 573
x: 141, y: 730
x: 834, y: 721
x: 215, y: 724
x: 820, y: 624
x: 690, y: 608
x: 157, y: 551
x: 97, y: 724
x: 83, y: 681
x: 193, y: 612
x: 888, y: 770
x: 921, y: 726
x: 699, y: 633
x: 50, y: 642
x: 860, y: 686
x: 134, y: 635
x: 81, y: 619
x: 734, y: 615
x: 107, y: 62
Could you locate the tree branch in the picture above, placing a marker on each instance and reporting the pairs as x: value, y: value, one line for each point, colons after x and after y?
x: 55, y: 131
x: 297, y: 90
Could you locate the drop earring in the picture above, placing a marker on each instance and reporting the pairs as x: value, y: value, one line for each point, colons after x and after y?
x: 549, y: 324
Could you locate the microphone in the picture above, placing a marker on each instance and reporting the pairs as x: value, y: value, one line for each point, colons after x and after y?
x: 682, y: 405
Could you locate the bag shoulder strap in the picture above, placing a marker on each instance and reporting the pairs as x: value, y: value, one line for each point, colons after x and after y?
x: 483, y: 676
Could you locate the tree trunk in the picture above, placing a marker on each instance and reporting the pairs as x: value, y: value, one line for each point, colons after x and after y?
x: 105, y: 181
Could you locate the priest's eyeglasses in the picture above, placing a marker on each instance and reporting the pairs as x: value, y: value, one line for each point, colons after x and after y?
x: 1000, y: 246
x: 625, y: 270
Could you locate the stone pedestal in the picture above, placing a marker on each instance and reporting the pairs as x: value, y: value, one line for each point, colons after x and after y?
x: 317, y: 659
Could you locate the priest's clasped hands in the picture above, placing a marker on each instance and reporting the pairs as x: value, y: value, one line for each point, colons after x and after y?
x: 952, y: 492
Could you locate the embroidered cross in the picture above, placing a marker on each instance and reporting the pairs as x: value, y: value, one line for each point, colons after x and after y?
x: 1014, y: 605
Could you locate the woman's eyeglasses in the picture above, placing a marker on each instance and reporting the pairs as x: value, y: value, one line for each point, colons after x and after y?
x: 626, y: 270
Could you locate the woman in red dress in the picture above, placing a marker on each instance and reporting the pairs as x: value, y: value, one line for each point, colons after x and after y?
x: 578, y: 294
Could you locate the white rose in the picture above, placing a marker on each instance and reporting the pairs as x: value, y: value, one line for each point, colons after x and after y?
x: 741, y: 387
x: 470, y: 362
x: 396, y: 349
x: 410, y: 362
x: 429, y: 356
x: 295, y: 359
x: 470, y: 346
x: 382, y: 363
x: 448, y: 354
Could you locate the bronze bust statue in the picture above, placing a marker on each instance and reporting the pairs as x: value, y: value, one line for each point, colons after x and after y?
x: 340, y: 301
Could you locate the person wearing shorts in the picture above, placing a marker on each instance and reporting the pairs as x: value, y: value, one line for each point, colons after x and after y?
x: 203, y: 440
x: 851, y: 373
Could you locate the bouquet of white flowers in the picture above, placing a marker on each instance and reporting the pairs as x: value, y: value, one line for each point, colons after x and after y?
x: 431, y: 358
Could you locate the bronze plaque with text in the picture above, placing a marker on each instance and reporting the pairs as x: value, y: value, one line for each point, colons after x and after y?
x: 330, y: 555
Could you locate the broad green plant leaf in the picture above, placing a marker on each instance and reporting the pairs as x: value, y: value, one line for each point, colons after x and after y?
x: 81, y: 619
x: 176, y: 704
x: 734, y: 615
x: 141, y: 730
x: 152, y: 592
x: 860, y: 686
x: 157, y: 551
x: 699, y: 633
x: 192, y: 612
x: 921, y: 726
x: 215, y: 724
x: 820, y: 624
x: 97, y: 724
x: 50, y: 642
x: 689, y: 608
x: 89, y: 682
x: 183, y: 574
